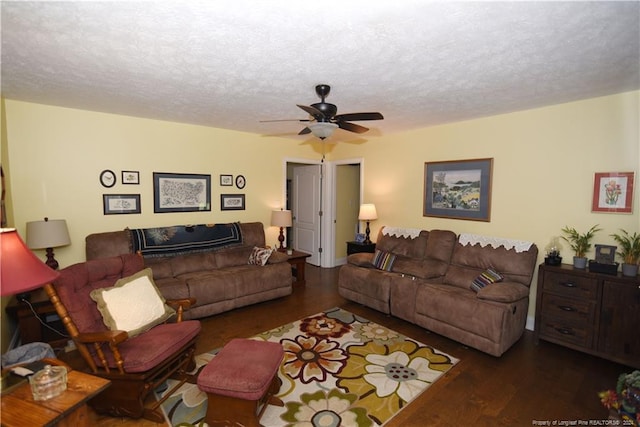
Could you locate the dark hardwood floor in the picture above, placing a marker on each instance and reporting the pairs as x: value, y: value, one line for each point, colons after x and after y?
x: 529, y: 383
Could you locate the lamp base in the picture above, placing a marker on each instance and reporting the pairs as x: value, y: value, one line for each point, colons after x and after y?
x: 367, y: 240
x: 281, y: 248
x: 51, y: 261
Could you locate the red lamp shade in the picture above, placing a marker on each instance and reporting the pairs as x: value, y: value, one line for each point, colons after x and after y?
x: 20, y: 269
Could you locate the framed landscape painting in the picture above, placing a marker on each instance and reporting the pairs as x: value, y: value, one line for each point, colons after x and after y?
x: 181, y: 192
x: 612, y: 192
x: 458, y: 189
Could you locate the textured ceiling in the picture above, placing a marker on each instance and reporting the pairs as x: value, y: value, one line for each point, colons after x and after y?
x: 230, y: 64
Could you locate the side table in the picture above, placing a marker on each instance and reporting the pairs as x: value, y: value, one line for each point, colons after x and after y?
x: 356, y: 247
x: 298, y: 260
x: 69, y: 409
x: 30, y: 327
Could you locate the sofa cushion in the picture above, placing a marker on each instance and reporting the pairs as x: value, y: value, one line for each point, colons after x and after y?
x: 406, y: 246
x: 192, y: 262
x: 259, y: 256
x: 161, y: 268
x: 440, y: 245
x: 277, y: 257
x: 361, y: 259
x: 504, y: 292
x: 383, y: 260
x: 233, y: 257
x: 148, y: 308
x: 487, y: 277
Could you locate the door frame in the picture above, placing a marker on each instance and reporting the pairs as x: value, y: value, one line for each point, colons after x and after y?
x: 328, y: 202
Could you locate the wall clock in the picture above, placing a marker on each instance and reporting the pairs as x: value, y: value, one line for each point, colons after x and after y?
x: 107, y: 178
x: 240, y: 181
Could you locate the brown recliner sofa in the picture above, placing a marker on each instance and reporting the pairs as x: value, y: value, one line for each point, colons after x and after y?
x: 429, y: 284
x: 220, y: 280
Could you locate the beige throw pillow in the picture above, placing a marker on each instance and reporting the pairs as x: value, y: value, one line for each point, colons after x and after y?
x: 134, y: 304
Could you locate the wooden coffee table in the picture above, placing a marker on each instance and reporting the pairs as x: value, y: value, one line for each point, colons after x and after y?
x: 298, y: 260
x: 67, y: 409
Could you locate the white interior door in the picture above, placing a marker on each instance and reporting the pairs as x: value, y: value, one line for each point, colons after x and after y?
x: 306, y: 210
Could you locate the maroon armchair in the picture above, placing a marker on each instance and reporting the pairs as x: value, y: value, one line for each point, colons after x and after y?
x: 134, y: 365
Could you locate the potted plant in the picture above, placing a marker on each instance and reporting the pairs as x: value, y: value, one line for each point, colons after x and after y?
x: 629, y: 252
x: 580, y: 243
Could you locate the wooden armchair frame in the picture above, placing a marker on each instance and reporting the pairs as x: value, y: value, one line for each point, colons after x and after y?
x: 129, y: 392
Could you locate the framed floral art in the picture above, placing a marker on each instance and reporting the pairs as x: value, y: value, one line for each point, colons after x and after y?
x: 613, y: 192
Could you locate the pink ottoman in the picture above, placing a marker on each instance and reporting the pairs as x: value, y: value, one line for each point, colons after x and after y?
x: 241, y: 381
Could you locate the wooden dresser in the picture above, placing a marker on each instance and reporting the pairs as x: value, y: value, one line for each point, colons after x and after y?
x: 590, y: 312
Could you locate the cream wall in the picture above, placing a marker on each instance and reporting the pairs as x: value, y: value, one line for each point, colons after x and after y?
x: 543, y: 170
x: 544, y: 162
x: 60, y: 152
x: 347, y: 206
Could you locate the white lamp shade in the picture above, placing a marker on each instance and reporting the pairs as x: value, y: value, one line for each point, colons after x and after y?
x: 281, y: 218
x: 367, y: 212
x: 20, y: 269
x: 322, y: 130
x: 47, y: 234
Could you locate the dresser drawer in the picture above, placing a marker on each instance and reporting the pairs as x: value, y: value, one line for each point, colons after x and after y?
x: 576, y: 311
x: 571, y: 285
x: 566, y: 331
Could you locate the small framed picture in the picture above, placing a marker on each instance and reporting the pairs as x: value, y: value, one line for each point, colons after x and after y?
x: 131, y: 177
x: 359, y: 237
x: 612, y: 192
x: 226, y: 180
x: 232, y: 202
x: 117, y: 204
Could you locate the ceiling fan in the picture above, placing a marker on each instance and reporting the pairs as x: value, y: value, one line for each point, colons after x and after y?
x: 325, y: 120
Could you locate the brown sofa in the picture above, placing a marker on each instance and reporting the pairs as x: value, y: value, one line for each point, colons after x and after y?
x: 220, y: 279
x: 429, y: 284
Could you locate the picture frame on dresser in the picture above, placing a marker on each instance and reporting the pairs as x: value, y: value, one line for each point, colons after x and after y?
x: 613, y: 192
x: 458, y: 189
x: 181, y: 192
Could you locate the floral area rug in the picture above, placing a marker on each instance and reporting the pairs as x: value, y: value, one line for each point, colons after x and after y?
x: 339, y: 369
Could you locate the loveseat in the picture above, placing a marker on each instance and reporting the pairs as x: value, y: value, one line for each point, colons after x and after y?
x: 472, y: 289
x: 210, y: 263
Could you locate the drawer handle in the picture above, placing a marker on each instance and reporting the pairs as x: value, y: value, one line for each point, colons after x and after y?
x: 568, y: 284
x: 565, y: 331
x: 566, y: 308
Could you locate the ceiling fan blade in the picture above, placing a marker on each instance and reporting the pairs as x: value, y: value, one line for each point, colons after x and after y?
x: 285, y: 120
x: 352, y: 127
x: 304, y: 131
x: 312, y: 111
x: 359, y: 116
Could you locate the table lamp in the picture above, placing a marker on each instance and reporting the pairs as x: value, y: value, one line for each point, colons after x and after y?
x: 367, y: 213
x: 48, y: 234
x: 20, y: 269
x: 281, y: 219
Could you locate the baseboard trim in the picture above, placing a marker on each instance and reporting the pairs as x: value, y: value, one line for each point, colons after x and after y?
x: 531, y: 323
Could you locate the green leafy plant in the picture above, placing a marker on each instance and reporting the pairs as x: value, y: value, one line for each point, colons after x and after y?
x: 580, y: 243
x: 629, y: 246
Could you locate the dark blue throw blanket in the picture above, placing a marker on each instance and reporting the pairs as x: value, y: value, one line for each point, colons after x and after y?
x: 185, y: 239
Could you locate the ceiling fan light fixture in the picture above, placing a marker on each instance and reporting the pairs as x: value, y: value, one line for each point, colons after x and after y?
x: 322, y: 130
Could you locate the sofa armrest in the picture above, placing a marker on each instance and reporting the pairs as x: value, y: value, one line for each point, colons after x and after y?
x: 503, y: 292
x: 277, y: 257
x: 361, y: 259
